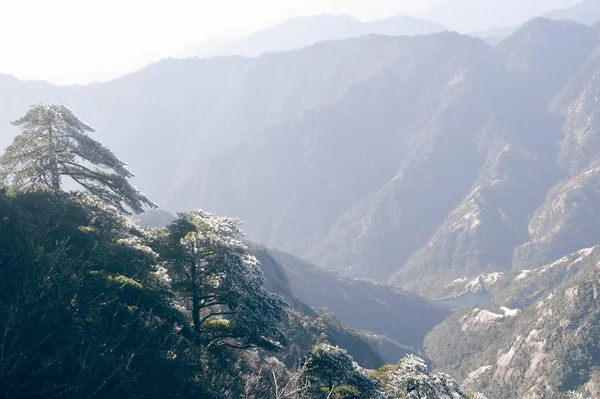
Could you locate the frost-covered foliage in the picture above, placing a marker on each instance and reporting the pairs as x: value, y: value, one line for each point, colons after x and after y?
x: 79, y: 312
x: 410, y: 378
x: 212, y: 270
x: 575, y: 395
x: 332, y: 373
x: 53, y: 143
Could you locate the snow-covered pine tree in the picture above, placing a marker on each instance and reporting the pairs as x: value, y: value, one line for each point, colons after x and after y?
x: 212, y: 269
x: 53, y: 143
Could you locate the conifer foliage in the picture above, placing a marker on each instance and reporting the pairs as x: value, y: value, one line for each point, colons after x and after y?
x: 53, y: 144
x: 213, y: 271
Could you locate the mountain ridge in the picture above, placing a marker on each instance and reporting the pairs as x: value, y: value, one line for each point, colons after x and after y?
x: 304, y: 31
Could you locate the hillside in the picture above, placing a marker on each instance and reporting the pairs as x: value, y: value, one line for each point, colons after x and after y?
x: 363, y: 304
x: 383, y: 134
x: 545, y: 346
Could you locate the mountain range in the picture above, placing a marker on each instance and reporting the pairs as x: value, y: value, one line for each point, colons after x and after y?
x: 379, y: 168
x: 585, y: 12
x: 472, y: 15
x: 539, y: 340
x: 384, y: 157
x: 304, y: 31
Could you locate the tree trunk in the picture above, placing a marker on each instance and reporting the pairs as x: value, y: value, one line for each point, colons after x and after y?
x: 195, y: 298
x: 54, y: 173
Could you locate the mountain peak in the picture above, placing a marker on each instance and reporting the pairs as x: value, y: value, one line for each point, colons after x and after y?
x: 586, y: 12
x: 543, y: 45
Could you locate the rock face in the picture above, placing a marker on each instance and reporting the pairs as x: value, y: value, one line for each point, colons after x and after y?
x: 545, y: 350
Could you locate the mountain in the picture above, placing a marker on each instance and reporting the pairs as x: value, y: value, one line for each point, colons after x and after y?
x: 304, y: 31
x: 587, y: 12
x: 483, y: 231
x: 541, y: 41
x: 474, y: 15
x: 544, y: 349
x: 371, y: 217
x: 576, y: 103
x: 564, y: 223
x: 384, y: 134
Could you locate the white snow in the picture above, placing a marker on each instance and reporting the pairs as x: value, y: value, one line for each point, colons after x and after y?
x: 479, y: 282
x: 480, y: 322
x: 566, y: 261
x: 473, y: 218
x: 492, y: 278
x: 523, y: 275
x: 457, y: 281
x: 510, y: 312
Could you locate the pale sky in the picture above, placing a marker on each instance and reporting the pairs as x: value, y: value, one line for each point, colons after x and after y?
x: 78, y: 41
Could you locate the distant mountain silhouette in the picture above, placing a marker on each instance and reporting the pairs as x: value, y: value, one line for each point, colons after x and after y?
x: 587, y: 12
x: 303, y: 31
x: 476, y: 15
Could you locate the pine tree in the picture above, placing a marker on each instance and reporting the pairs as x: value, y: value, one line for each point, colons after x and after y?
x: 53, y: 143
x: 212, y: 269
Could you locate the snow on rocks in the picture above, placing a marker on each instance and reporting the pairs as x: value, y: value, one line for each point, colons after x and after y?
x: 480, y: 320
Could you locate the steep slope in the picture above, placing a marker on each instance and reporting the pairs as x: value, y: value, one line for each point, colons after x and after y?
x: 565, y: 222
x: 523, y: 288
x: 363, y: 304
x: 456, y: 134
x: 587, y: 12
x: 303, y: 31
x: 548, y: 348
x: 549, y: 52
x: 481, y: 234
x: 473, y: 15
x: 306, y: 327
x: 391, y: 142
x: 577, y: 104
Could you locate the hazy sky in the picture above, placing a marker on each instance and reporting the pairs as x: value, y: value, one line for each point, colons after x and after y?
x: 78, y: 41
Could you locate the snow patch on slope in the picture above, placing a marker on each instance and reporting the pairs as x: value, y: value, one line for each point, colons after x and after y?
x: 480, y: 320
